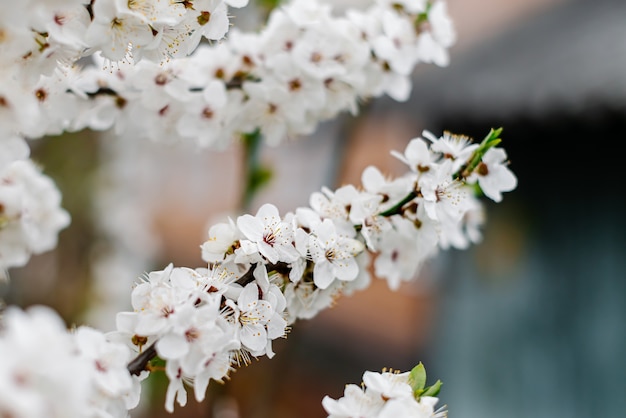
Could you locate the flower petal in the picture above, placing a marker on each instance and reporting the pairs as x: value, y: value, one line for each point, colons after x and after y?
x: 172, y: 346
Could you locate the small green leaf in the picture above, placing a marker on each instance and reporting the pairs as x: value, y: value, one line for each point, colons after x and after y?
x: 433, y: 390
x: 417, y: 379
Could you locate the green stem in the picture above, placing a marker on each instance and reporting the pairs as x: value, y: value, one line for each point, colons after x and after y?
x: 254, y: 174
x: 396, y: 209
x: 269, y: 5
x: 491, y: 140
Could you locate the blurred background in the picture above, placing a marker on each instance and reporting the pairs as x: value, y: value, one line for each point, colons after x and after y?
x: 529, y: 323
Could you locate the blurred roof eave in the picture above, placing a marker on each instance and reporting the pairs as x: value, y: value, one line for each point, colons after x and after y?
x: 569, y: 59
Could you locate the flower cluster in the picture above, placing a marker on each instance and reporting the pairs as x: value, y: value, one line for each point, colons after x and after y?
x: 41, y: 42
x: 186, y: 317
x: 305, y: 66
x: 266, y: 271
x: 156, y: 30
x: 30, y: 212
x: 386, y: 395
x: 49, y: 371
x: 38, y: 34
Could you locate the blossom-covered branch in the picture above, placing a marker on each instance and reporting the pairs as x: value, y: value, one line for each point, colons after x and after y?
x: 305, y: 66
x: 42, y: 42
x: 265, y: 271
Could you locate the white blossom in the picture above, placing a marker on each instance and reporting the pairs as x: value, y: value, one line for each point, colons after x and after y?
x: 268, y: 234
x: 333, y: 255
x: 30, y: 212
x: 493, y: 176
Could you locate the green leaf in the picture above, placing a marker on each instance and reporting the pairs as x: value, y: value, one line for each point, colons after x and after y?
x: 417, y: 379
x: 433, y: 390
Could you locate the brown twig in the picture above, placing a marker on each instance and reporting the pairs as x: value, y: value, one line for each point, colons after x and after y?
x: 140, y: 363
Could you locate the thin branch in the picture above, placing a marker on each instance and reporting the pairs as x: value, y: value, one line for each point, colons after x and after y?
x: 140, y: 363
